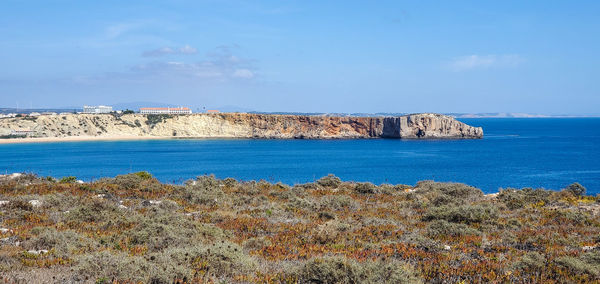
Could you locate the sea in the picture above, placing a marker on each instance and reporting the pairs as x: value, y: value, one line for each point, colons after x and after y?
x: 548, y: 153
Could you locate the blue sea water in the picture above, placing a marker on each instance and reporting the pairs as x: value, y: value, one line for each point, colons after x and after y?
x: 545, y: 152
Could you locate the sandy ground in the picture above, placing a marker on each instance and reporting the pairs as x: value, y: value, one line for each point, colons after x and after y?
x: 78, y: 138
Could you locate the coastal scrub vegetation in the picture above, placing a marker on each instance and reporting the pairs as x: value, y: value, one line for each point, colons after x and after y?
x: 154, y: 119
x: 134, y: 229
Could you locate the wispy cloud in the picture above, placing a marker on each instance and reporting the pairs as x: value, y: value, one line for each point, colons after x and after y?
x: 471, y: 62
x: 220, y: 65
x: 185, y: 50
x: 243, y: 73
x: 116, y: 30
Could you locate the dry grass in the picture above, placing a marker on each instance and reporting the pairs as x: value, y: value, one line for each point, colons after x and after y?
x: 132, y: 229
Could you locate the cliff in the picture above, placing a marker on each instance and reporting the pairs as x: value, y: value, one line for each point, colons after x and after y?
x: 241, y: 125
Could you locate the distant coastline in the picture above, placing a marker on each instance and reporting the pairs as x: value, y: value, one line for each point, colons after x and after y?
x: 234, y: 109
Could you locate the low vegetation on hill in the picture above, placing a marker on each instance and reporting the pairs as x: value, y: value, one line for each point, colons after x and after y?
x: 132, y: 229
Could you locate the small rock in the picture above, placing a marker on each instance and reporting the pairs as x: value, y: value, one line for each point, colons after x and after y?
x: 587, y: 248
x: 10, y: 240
x: 79, y: 181
x: 4, y: 230
x: 151, y: 202
x: 15, y: 175
x: 4, y: 202
x: 35, y: 203
x: 447, y: 247
x: 41, y: 251
x: 122, y: 206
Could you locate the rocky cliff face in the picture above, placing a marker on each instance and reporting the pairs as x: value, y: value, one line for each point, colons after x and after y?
x: 243, y: 125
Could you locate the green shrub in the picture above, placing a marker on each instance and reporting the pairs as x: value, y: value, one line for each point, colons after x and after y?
x: 421, y: 242
x: 462, y: 214
x: 69, y: 179
x: 331, y: 270
x: 439, y: 228
x: 216, y: 260
x: 230, y: 182
x: 205, y: 190
x: 343, y: 270
x: 113, y: 265
x: 365, y: 188
x: 60, y: 201
x: 592, y: 257
x: 153, y: 119
x: 444, y: 199
x: 531, y: 261
x: 393, y: 272
x: 161, y: 229
x: 139, y: 180
x: 576, y: 189
x: 515, y: 199
x: 302, y: 203
x: 99, y: 211
x: 256, y: 243
x: 577, y: 266
x: 570, y: 217
x: 329, y: 181
x: 143, y: 175
x: 338, y: 202
x: 63, y: 243
x: 457, y: 191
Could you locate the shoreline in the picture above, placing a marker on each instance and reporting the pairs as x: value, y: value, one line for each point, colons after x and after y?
x: 79, y: 139
x: 140, y: 138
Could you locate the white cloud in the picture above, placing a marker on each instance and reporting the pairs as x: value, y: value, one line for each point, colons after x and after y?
x: 243, y: 73
x: 470, y: 62
x: 185, y: 50
x: 188, y: 50
x: 116, y: 30
x: 220, y: 66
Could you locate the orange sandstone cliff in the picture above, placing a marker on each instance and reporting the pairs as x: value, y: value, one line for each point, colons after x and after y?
x: 242, y: 125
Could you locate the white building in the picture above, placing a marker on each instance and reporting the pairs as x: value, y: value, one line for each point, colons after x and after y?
x: 165, y: 110
x: 97, y: 109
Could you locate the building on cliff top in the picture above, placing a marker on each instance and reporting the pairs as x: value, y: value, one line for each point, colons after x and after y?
x: 165, y: 110
x: 97, y: 109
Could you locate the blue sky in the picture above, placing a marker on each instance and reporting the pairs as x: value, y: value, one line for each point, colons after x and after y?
x: 306, y: 56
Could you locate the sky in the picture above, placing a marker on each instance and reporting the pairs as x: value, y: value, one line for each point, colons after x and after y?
x: 304, y: 56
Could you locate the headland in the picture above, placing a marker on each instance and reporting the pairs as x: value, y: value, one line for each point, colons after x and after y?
x: 79, y: 127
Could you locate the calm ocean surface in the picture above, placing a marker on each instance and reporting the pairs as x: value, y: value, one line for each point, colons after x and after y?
x: 546, y: 152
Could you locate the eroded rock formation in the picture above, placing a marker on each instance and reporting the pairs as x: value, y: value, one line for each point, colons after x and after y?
x: 243, y: 125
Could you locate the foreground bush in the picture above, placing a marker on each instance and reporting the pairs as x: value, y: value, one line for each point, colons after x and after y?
x: 342, y: 270
x: 134, y: 229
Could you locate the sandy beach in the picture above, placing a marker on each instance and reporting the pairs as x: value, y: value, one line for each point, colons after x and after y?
x: 79, y: 139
